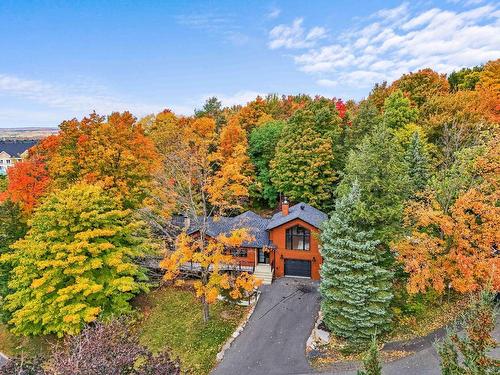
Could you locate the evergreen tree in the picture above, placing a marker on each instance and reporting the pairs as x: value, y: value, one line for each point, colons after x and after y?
x: 75, y: 264
x: 355, y: 288
x: 371, y: 362
x: 398, y: 111
x: 379, y: 167
x: 417, y: 159
x: 302, y: 167
x: 478, y: 322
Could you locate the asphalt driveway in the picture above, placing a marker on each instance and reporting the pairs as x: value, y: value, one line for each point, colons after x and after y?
x: 274, y: 340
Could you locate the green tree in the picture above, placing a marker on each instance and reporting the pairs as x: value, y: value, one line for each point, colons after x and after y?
x: 12, y: 227
x: 398, y: 111
x: 465, y: 79
x: 379, y: 167
x: 478, y: 322
x: 75, y: 264
x: 302, y: 168
x: 355, y: 288
x: 213, y: 108
x: 365, y: 120
x: 263, y: 140
x: 417, y: 159
x: 371, y: 362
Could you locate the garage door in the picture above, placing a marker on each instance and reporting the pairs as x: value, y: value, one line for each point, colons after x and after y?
x: 295, y: 267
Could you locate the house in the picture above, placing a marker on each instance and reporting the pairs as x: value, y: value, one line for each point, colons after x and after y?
x: 12, y: 152
x: 284, y: 245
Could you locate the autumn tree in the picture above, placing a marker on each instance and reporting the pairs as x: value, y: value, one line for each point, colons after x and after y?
x: 75, y: 264
x: 456, y: 247
x: 422, y: 85
x: 204, y: 176
x: 12, y: 227
x: 111, y: 151
x: 302, y: 167
x: 378, y: 94
x: 28, y: 181
x: 469, y: 354
x: 378, y: 166
x: 489, y: 90
x: 213, y: 108
x: 263, y: 140
x: 465, y: 79
x: 352, y: 276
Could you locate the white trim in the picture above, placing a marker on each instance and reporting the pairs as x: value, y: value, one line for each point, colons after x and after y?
x: 297, y: 277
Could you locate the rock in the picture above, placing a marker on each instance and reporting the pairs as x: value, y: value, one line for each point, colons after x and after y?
x: 322, y: 336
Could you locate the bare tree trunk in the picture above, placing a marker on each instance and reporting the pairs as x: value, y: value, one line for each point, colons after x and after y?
x: 206, y: 310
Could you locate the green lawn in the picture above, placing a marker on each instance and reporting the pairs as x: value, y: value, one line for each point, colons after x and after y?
x: 173, y: 320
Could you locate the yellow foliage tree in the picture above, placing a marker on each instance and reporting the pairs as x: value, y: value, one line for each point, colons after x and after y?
x: 204, y: 175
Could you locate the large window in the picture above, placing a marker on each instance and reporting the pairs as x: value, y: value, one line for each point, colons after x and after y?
x: 298, y: 238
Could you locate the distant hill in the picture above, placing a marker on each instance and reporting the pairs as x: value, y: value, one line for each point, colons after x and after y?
x: 26, y: 133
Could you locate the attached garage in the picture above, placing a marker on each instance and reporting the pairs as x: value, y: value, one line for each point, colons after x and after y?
x: 295, y: 267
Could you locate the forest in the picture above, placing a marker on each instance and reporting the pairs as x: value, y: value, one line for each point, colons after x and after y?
x: 409, y: 177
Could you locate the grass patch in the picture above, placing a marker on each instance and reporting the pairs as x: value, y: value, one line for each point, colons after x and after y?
x: 13, y: 345
x: 428, y: 319
x: 173, y: 321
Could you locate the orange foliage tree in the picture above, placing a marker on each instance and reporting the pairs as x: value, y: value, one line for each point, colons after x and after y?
x: 458, y: 249
x: 204, y: 175
x: 111, y: 152
x: 27, y: 182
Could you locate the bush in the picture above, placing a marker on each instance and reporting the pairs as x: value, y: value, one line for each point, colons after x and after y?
x: 111, y: 349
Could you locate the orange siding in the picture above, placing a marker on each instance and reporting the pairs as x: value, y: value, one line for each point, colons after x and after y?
x: 278, y: 236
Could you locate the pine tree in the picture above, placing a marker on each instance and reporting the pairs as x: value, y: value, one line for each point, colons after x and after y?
x: 302, y: 168
x: 378, y: 166
x: 417, y: 159
x: 371, y: 362
x: 355, y: 289
x: 478, y: 322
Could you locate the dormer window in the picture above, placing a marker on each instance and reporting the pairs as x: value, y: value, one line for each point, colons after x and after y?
x: 298, y: 238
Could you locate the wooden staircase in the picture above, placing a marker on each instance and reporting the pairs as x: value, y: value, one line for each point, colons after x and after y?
x: 264, y: 272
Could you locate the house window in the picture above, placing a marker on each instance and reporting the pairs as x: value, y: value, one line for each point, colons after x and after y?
x: 298, y: 238
x: 240, y: 253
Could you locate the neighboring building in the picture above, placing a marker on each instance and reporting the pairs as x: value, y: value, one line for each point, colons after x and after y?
x: 284, y: 245
x: 13, y: 151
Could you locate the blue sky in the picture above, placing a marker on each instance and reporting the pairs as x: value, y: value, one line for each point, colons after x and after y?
x: 63, y: 59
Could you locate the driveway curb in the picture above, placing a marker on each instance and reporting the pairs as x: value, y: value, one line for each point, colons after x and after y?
x: 237, y: 331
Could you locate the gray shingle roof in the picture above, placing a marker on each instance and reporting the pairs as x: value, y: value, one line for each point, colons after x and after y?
x: 16, y: 148
x: 301, y: 211
x: 255, y: 224
x: 258, y: 226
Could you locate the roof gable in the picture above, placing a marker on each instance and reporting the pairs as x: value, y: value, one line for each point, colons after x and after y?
x: 16, y: 148
x: 301, y: 211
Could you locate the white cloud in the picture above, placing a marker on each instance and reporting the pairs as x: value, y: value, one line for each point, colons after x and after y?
x: 274, y: 13
x: 395, y: 41
x: 76, y: 99
x: 295, y: 36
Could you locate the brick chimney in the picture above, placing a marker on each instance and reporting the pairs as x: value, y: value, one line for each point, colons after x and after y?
x: 284, y: 207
